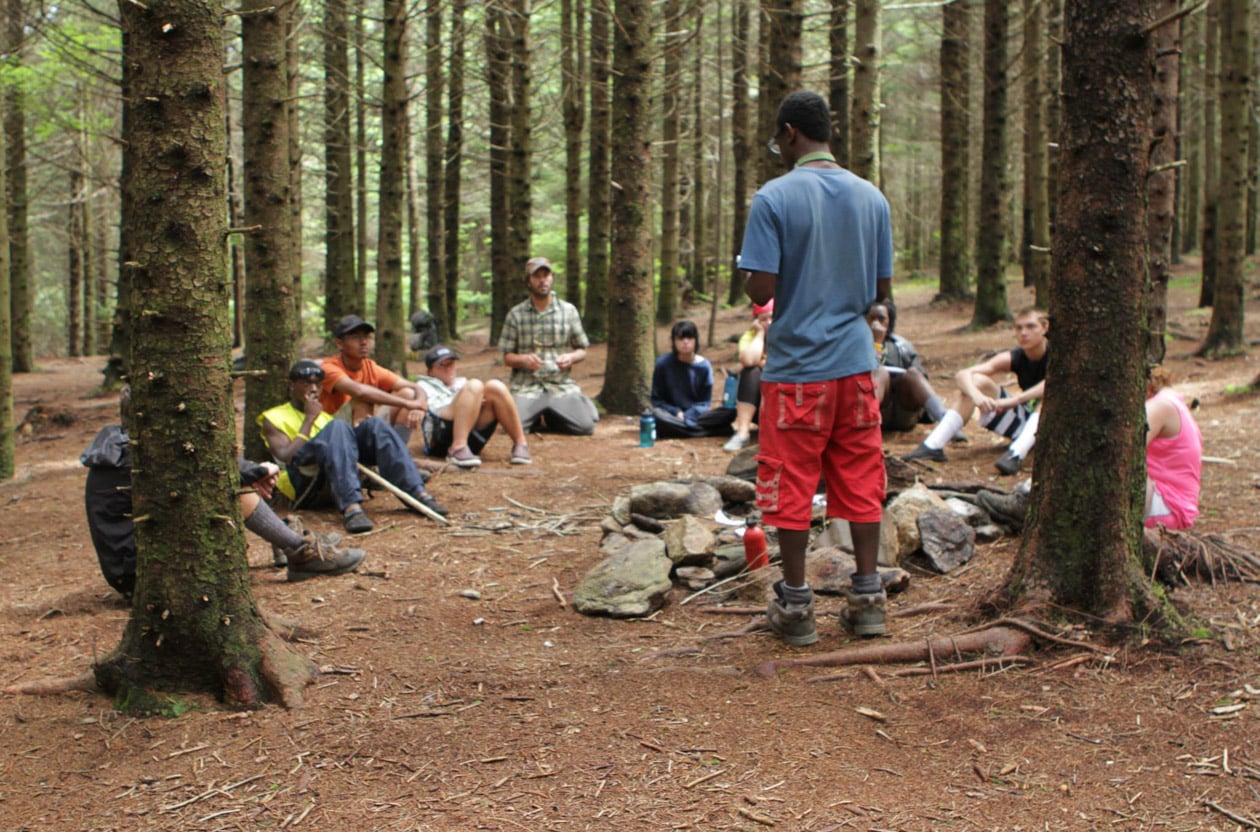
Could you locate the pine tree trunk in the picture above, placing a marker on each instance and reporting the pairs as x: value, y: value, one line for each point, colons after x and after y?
x: 74, y: 263
x: 598, y: 217
x: 703, y: 243
x: 21, y: 286
x: 520, y: 205
x: 497, y: 79
x: 270, y: 311
x: 1035, y: 252
x: 7, y: 428
x: 865, y: 115
x: 293, y: 80
x: 448, y: 323
x: 572, y: 82
x: 1211, y: 153
x: 118, y: 367
x: 360, y: 162
x: 631, y: 337
x: 391, y: 343
x: 236, y: 242
x: 435, y: 209
x: 193, y: 625
x: 741, y: 144
x: 838, y: 89
x: 671, y: 117
x: 340, y: 297
x: 415, y: 258
x: 955, y: 61
x: 1225, y: 332
x: 1191, y: 132
x: 991, y: 304
x: 1161, y: 187
x: 1083, y: 541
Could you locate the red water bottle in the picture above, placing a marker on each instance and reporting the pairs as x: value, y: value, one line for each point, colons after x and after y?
x: 755, y: 545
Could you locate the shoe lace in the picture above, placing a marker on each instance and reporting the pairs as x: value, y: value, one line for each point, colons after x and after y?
x: 323, y: 546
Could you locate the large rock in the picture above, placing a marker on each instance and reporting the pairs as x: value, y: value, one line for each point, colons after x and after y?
x: 969, y: 513
x: 904, y: 513
x: 744, y: 464
x: 829, y: 572
x: 837, y: 534
x: 689, y: 542
x: 630, y: 583
x: 733, y: 489
x: 947, y: 541
x: 621, y: 509
x: 666, y: 500
x: 728, y: 560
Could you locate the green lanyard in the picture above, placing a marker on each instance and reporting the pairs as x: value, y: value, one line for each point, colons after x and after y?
x: 816, y: 156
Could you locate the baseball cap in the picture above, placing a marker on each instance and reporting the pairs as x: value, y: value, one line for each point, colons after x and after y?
x: 307, y: 370
x: 351, y: 323
x: 536, y: 263
x: 439, y: 354
x: 767, y: 309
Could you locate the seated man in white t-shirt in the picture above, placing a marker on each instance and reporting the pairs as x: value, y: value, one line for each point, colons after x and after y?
x: 464, y: 412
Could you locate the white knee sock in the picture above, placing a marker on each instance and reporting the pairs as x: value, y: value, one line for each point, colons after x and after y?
x: 944, y: 430
x: 1027, y: 437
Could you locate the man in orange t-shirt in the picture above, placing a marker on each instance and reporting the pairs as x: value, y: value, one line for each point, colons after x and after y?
x: 352, y: 376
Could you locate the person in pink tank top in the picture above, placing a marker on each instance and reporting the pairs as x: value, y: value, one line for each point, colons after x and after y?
x: 1174, y: 456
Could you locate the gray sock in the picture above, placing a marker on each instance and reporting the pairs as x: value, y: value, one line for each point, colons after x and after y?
x: 264, y: 523
x: 865, y: 584
x: 935, y: 408
x: 797, y: 594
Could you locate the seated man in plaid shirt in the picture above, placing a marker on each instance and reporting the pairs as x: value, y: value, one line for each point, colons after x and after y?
x: 541, y: 341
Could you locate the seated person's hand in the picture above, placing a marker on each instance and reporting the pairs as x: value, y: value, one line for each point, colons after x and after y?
x: 564, y: 361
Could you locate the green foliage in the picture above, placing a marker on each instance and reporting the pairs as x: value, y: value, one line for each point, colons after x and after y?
x: 140, y: 702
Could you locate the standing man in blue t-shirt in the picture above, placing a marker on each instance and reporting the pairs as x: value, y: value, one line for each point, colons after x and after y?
x: 819, y: 241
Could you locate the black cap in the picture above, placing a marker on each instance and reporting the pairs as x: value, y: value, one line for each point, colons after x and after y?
x: 306, y: 370
x: 351, y: 323
x: 438, y: 354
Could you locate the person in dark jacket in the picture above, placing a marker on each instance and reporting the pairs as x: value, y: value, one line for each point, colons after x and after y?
x: 682, y: 390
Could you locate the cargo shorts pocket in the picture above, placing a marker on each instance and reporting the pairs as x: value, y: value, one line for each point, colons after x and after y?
x: 866, y: 403
x: 800, y: 406
x: 769, y: 477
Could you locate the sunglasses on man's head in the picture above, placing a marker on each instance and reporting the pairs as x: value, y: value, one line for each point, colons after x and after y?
x: 309, y: 375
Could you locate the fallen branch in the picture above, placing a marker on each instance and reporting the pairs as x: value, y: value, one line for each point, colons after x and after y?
x: 994, y: 641
x: 1238, y: 819
x: 977, y: 664
x: 402, y: 495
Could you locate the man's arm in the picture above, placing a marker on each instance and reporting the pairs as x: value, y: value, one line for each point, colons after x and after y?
x: 759, y: 286
x: 1000, y: 363
x: 373, y: 395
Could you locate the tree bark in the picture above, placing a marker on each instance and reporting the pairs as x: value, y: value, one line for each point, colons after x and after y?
x: 781, y: 22
x: 838, y: 89
x: 498, y: 75
x: 703, y: 244
x: 741, y: 149
x: 1211, y: 149
x: 955, y: 59
x: 520, y: 205
x: 1035, y: 252
x: 572, y: 80
x: 671, y: 118
x: 360, y: 160
x: 1083, y: 540
x: 391, y: 343
x: 599, y: 182
x: 865, y: 115
x: 448, y: 323
x: 271, y: 315
x: 193, y: 624
x: 434, y: 152
x: 340, y: 297
x: 6, y: 343
x: 118, y: 367
x: 74, y: 263
x: 991, y: 304
x: 21, y: 283
x: 1162, y: 186
x: 1225, y: 332
x: 631, y: 337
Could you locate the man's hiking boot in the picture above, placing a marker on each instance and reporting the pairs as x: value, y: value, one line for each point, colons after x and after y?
x: 794, y: 623
x: 320, y: 556
x: 1007, y: 509
x: 924, y: 452
x: 863, y: 615
x: 520, y: 455
x: 463, y: 458
x: 357, y: 522
x: 1008, y: 463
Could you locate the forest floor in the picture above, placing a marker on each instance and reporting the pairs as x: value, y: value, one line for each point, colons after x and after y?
x: 513, y: 712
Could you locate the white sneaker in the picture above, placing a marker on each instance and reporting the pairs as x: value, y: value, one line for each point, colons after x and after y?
x: 735, y: 443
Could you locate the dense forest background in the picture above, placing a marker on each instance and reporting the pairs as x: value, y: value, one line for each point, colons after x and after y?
x: 482, y: 132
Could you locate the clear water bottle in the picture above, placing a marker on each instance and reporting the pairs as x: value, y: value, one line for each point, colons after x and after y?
x: 647, y: 429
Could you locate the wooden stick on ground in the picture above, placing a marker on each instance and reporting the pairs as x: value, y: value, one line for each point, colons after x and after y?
x: 402, y: 495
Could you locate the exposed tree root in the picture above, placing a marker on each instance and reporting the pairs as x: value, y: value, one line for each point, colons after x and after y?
x: 1000, y: 663
x: 993, y: 641
x: 1182, y: 555
x: 47, y: 687
x: 285, y: 671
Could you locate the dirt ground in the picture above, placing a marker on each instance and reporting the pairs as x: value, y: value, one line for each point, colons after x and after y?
x: 512, y: 712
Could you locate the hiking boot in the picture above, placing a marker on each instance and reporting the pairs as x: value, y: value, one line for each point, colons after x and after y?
x: 280, y: 555
x: 426, y: 499
x: 1008, y: 463
x: 463, y: 458
x: 736, y: 443
x: 794, y: 623
x: 924, y: 452
x: 864, y: 614
x: 320, y: 556
x: 357, y: 522
x: 520, y: 455
x: 1007, y: 509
